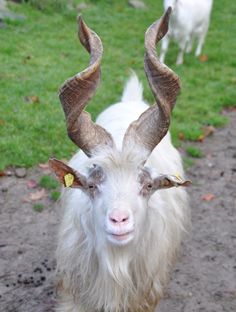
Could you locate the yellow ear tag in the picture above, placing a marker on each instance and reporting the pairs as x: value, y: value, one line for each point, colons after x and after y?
x: 69, y: 179
x: 177, y: 175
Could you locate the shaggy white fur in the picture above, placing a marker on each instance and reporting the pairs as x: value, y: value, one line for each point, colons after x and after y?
x: 94, y: 274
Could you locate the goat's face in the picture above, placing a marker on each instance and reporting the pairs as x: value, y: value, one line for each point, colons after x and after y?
x: 119, y: 191
x: 119, y: 197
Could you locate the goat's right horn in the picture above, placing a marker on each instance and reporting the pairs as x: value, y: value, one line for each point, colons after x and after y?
x: 153, y: 124
x: 78, y: 90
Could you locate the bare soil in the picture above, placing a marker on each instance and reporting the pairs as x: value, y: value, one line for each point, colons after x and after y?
x: 204, y: 278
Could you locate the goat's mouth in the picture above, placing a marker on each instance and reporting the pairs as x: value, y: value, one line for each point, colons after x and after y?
x: 120, y: 238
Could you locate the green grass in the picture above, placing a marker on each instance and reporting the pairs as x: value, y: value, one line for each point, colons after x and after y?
x: 40, y: 52
x: 188, y: 162
x: 48, y: 182
x: 194, y: 151
x: 55, y: 195
x: 50, y: 6
x: 38, y: 207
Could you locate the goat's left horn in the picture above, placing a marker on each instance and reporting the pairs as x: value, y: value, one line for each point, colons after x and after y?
x: 153, y: 124
x: 78, y: 90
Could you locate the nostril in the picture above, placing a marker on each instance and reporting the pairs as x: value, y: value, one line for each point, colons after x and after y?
x: 113, y: 220
x: 124, y: 219
x: 116, y: 216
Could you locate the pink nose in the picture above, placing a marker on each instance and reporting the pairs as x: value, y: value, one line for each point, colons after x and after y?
x: 118, y: 217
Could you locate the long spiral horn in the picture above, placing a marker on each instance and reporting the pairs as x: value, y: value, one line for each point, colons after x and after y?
x: 154, y: 123
x: 78, y: 90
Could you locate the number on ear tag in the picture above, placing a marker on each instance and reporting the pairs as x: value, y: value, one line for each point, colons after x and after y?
x: 69, y: 179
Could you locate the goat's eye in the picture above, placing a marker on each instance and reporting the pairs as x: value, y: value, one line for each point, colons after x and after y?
x: 146, y: 189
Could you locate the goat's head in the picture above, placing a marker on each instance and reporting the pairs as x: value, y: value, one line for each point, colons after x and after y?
x: 117, y: 182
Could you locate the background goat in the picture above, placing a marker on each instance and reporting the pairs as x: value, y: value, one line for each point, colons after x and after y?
x: 189, y: 21
x: 123, y: 221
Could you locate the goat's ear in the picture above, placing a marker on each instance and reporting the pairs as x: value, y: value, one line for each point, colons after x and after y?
x: 167, y: 181
x: 66, y: 175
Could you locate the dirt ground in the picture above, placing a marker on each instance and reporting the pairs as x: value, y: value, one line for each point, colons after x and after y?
x: 204, y: 278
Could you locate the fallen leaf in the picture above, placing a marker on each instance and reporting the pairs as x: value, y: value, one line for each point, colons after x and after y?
x: 208, y: 197
x: 32, y: 184
x: 40, y: 194
x: 203, y: 58
x: 181, y: 136
x: 2, y: 173
x: 201, y: 138
x: 206, y: 131
x: 32, y: 99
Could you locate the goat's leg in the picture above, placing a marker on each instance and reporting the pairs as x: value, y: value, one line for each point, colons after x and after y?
x: 182, y: 46
x: 189, y: 45
x: 201, y: 40
x: 164, y: 48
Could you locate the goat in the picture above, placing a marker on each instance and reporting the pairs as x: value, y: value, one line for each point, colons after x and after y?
x: 123, y: 219
x: 189, y: 21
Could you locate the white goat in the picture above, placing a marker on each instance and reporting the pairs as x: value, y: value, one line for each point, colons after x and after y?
x: 189, y: 21
x: 120, y: 232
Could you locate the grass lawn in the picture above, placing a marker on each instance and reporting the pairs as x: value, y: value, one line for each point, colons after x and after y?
x: 40, y: 52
